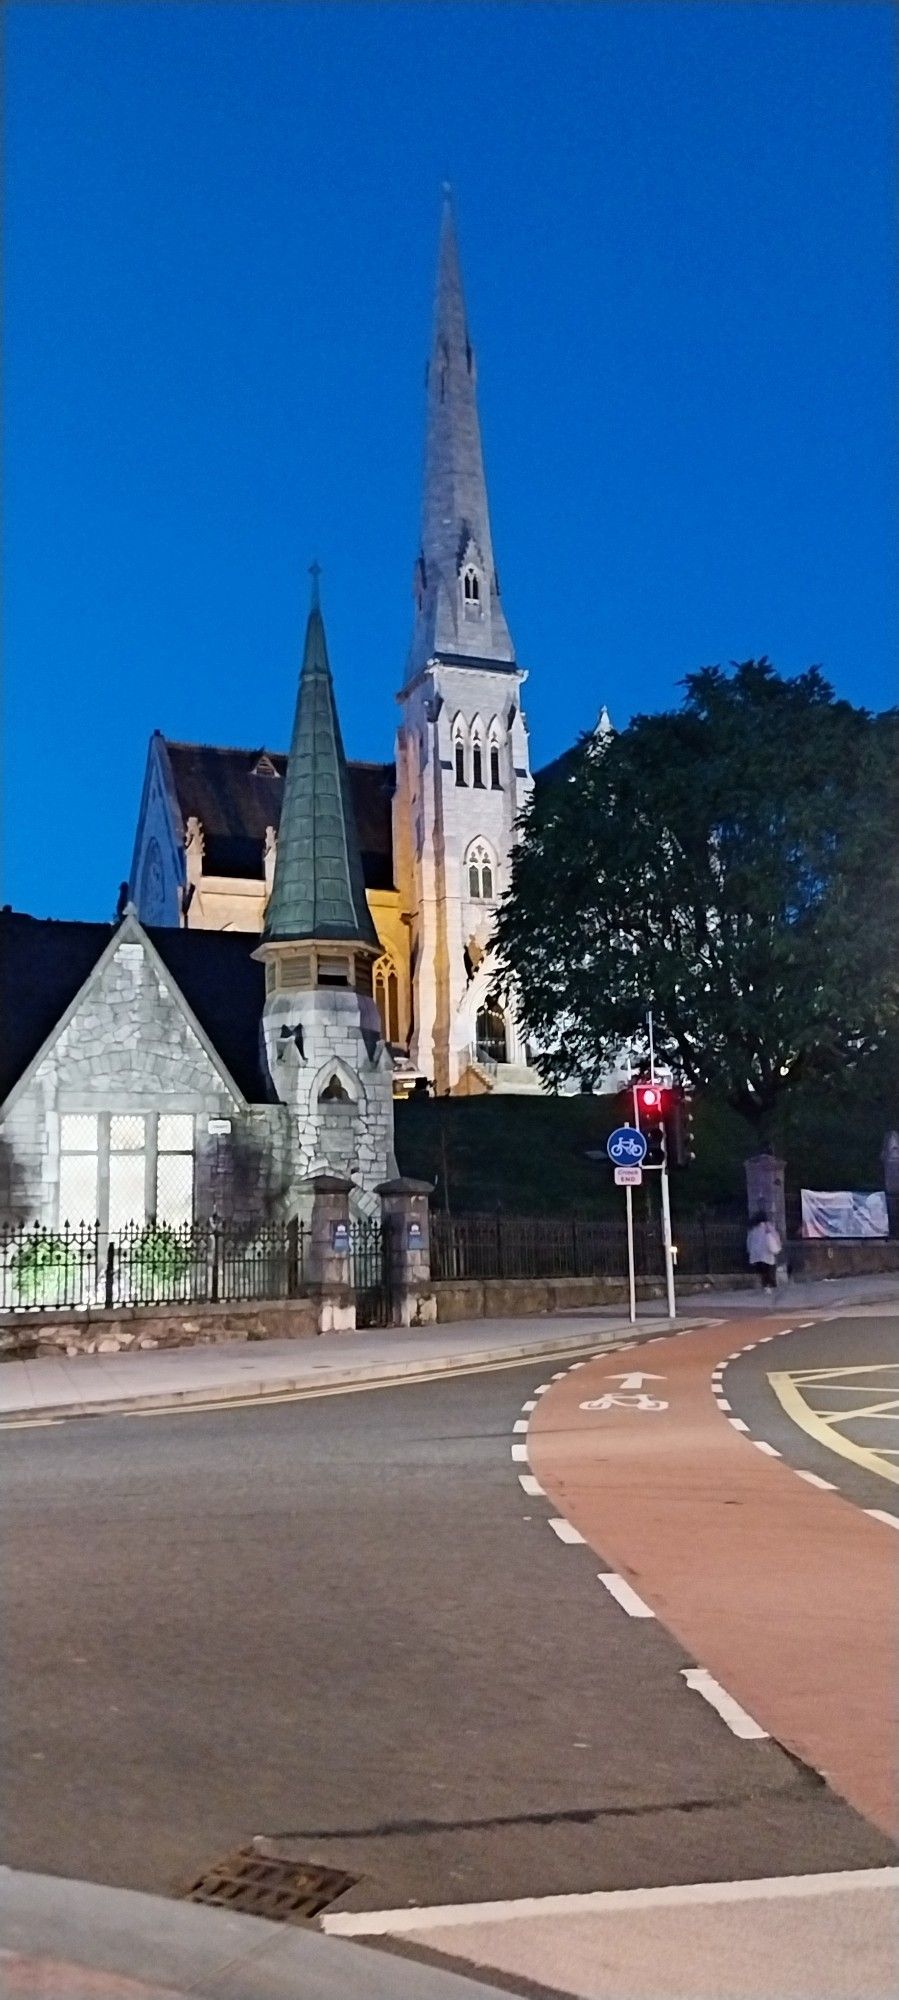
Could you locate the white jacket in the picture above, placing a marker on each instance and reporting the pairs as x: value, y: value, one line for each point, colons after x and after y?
x: 763, y: 1243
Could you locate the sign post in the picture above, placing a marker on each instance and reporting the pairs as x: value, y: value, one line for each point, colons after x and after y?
x: 626, y: 1148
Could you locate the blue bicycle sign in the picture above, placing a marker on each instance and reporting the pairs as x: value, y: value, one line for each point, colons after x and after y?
x: 626, y: 1146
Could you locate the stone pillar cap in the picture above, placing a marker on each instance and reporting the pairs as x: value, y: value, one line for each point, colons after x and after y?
x: 403, y: 1185
x: 328, y: 1183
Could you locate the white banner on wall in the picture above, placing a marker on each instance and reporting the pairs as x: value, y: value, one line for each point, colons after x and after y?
x: 843, y: 1214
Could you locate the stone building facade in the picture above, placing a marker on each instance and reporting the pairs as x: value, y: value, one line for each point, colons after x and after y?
x: 160, y: 1075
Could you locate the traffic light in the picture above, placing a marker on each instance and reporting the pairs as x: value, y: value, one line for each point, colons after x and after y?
x: 681, y: 1138
x: 649, y: 1115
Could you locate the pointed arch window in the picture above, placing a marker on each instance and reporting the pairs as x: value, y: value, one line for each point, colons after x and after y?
x: 459, y: 751
x: 471, y: 586
x: 493, y: 753
x: 477, y: 763
x: 387, y: 996
x: 480, y: 872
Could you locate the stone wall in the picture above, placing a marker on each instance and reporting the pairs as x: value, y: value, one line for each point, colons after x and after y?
x: 312, y: 1037
x: 501, y: 1298
x: 24, y: 1336
x: 842, y: 1260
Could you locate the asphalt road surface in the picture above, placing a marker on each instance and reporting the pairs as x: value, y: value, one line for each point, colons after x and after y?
x: 343, y: 1625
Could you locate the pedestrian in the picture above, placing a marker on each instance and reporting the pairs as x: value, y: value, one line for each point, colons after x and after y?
x: 763, y: 1247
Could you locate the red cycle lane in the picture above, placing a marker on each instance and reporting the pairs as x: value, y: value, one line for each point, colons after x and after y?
x: 786, y: 1594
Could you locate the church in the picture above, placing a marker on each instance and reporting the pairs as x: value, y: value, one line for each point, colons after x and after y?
x: 435, y: 828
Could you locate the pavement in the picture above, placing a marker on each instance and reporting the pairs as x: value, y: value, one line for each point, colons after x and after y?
x: 96, y: 1384
x: 344, y: 1629
x: 79, y: 1941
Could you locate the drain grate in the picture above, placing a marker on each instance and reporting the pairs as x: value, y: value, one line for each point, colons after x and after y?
x: 265, y: 1885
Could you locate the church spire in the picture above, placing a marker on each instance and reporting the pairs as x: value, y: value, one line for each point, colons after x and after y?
x: 318, y: 890
x: 458, y: 615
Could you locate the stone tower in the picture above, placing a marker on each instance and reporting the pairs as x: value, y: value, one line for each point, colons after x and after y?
x: 321, y: 1029
x: 462, y: 749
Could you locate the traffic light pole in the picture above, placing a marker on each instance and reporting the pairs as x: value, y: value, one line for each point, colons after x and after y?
x: 666, y: 1197
x: 669, y: 1247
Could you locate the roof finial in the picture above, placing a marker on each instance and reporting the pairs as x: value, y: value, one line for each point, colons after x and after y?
x: 315, y: 570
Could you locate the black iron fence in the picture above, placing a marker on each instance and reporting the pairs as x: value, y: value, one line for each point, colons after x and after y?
x: 153, y: 1264
x: 538, y: 1246
x: 209, y: 1262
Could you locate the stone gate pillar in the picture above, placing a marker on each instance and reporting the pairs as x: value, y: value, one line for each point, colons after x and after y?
x: 329, y: 1264
x: 404, y: 1206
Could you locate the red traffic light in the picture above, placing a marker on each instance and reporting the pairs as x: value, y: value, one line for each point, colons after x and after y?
x: 649, y: 1097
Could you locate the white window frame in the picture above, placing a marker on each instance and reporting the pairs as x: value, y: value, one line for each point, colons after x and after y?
x: 150, y: 1152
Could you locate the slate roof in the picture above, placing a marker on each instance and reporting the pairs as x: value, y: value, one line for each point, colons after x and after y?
x: 235, y: 803
x: 319, y: 888
x: 44, y: 964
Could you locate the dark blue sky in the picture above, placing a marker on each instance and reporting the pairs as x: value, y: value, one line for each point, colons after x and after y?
x: 676, y: 227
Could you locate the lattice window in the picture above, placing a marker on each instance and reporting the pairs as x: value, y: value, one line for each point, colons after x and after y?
x: 79, y: 1167
x: 175, y: 1168
x: 127, y: 1169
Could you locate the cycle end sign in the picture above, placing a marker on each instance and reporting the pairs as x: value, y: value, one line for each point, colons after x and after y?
x: 628, y: 1176
x: 626, y: 1148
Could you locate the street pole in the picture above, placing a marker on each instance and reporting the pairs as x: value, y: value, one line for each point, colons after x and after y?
x: 666, y: 1198
x: 631, y: 1279
x: 669, y: 1248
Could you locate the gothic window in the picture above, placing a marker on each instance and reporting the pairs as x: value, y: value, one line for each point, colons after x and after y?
x: 471, y: 586
x: 334, y: 1092
x: 459, y: 751
x: 477, y: 765
x: 495, y: 781
x: 387, y: 995
x: 491, y: 1043
x: 480, y: 872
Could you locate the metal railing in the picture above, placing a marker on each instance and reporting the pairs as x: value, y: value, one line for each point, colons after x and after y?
x: 537, y: 1246
x: 152, y: 1264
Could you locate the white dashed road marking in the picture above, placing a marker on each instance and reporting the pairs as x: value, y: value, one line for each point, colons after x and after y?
x: 530, y: 1486
x: 814, y: 1479
x: 739, y: 1425
x: 565, y: 1531
x: 520, y: 1454
x: 761, y: 1444
x: 619, y: 1588
x: 741, y: 1724
x: 879, y: 1514
x: 521, y: 1424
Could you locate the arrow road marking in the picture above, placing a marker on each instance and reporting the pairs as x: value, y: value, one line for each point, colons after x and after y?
x: 634, y: 1381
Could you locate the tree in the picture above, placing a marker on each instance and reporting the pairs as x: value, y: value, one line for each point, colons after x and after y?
x: 735, y: 863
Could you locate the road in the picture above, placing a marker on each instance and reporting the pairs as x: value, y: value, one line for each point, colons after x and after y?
x: 343, y: 1624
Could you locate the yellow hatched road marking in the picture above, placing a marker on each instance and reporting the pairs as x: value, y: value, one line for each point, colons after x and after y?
x: 821, y: 1425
